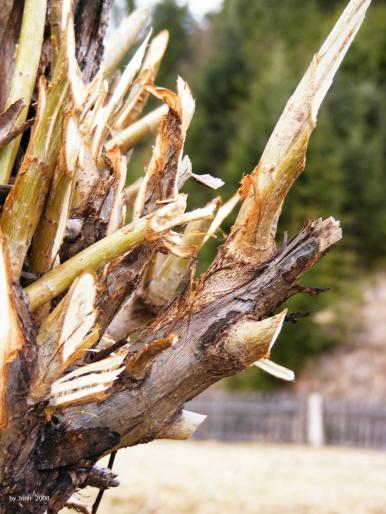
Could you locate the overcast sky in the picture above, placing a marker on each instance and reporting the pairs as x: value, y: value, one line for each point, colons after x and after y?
x: 198, y: 7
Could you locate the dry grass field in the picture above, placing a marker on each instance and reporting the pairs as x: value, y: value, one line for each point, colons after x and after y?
x: 167, y: 477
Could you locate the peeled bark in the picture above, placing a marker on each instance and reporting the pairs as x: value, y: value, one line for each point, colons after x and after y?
x: 91, y: 17
x: 8, y: 130
x: 10, y: 23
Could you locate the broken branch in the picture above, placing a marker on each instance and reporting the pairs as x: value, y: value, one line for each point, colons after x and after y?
x: 283, y: 159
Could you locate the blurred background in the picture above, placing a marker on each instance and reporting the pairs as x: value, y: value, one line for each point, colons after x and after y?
x: 243, y: 59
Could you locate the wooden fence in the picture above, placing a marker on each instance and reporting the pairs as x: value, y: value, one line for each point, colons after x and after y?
x: 290, y: 418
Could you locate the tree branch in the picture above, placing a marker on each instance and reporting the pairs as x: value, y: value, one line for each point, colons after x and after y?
x: 253, y: 234
x: 204, y: 352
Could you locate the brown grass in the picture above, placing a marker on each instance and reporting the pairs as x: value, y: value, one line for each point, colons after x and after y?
x: 167, y: 477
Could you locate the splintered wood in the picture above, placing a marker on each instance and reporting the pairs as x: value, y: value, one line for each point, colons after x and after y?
x: 106, y: 331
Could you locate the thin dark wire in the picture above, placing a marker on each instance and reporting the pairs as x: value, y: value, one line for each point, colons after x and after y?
x: 101, y: 492
x: 107, y: 351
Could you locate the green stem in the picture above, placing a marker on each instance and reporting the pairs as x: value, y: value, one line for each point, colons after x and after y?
x: 130, y: 136
x: 49, y: 234
x: 60, y: 278
x: 168, y: 279
x: 148, y: 228
x: 24, y: 74
x: 25, y: 203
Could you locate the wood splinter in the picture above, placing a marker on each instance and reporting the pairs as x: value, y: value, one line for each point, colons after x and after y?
x: 102, y: 478
x: 183, y: 426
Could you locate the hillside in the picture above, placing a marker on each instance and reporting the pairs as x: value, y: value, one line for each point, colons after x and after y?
x: 357, y: 366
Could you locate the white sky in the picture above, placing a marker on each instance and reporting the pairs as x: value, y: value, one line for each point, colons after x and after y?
x: 197, y: 7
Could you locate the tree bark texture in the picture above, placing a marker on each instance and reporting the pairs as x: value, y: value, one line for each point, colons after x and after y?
x: 54, y: 457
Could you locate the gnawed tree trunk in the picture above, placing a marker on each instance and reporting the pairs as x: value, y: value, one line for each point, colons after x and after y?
x: 105, y: 333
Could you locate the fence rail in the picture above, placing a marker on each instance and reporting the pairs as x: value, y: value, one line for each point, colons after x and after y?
x: 291, y: 418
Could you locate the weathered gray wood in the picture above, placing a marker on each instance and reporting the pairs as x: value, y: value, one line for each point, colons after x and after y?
x: 201, y: 356
x: 138, y: 410
x: 10, y: 22
x: 91, y: 18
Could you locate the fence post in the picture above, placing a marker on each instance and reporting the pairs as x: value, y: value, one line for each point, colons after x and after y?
x: 315, y: 425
